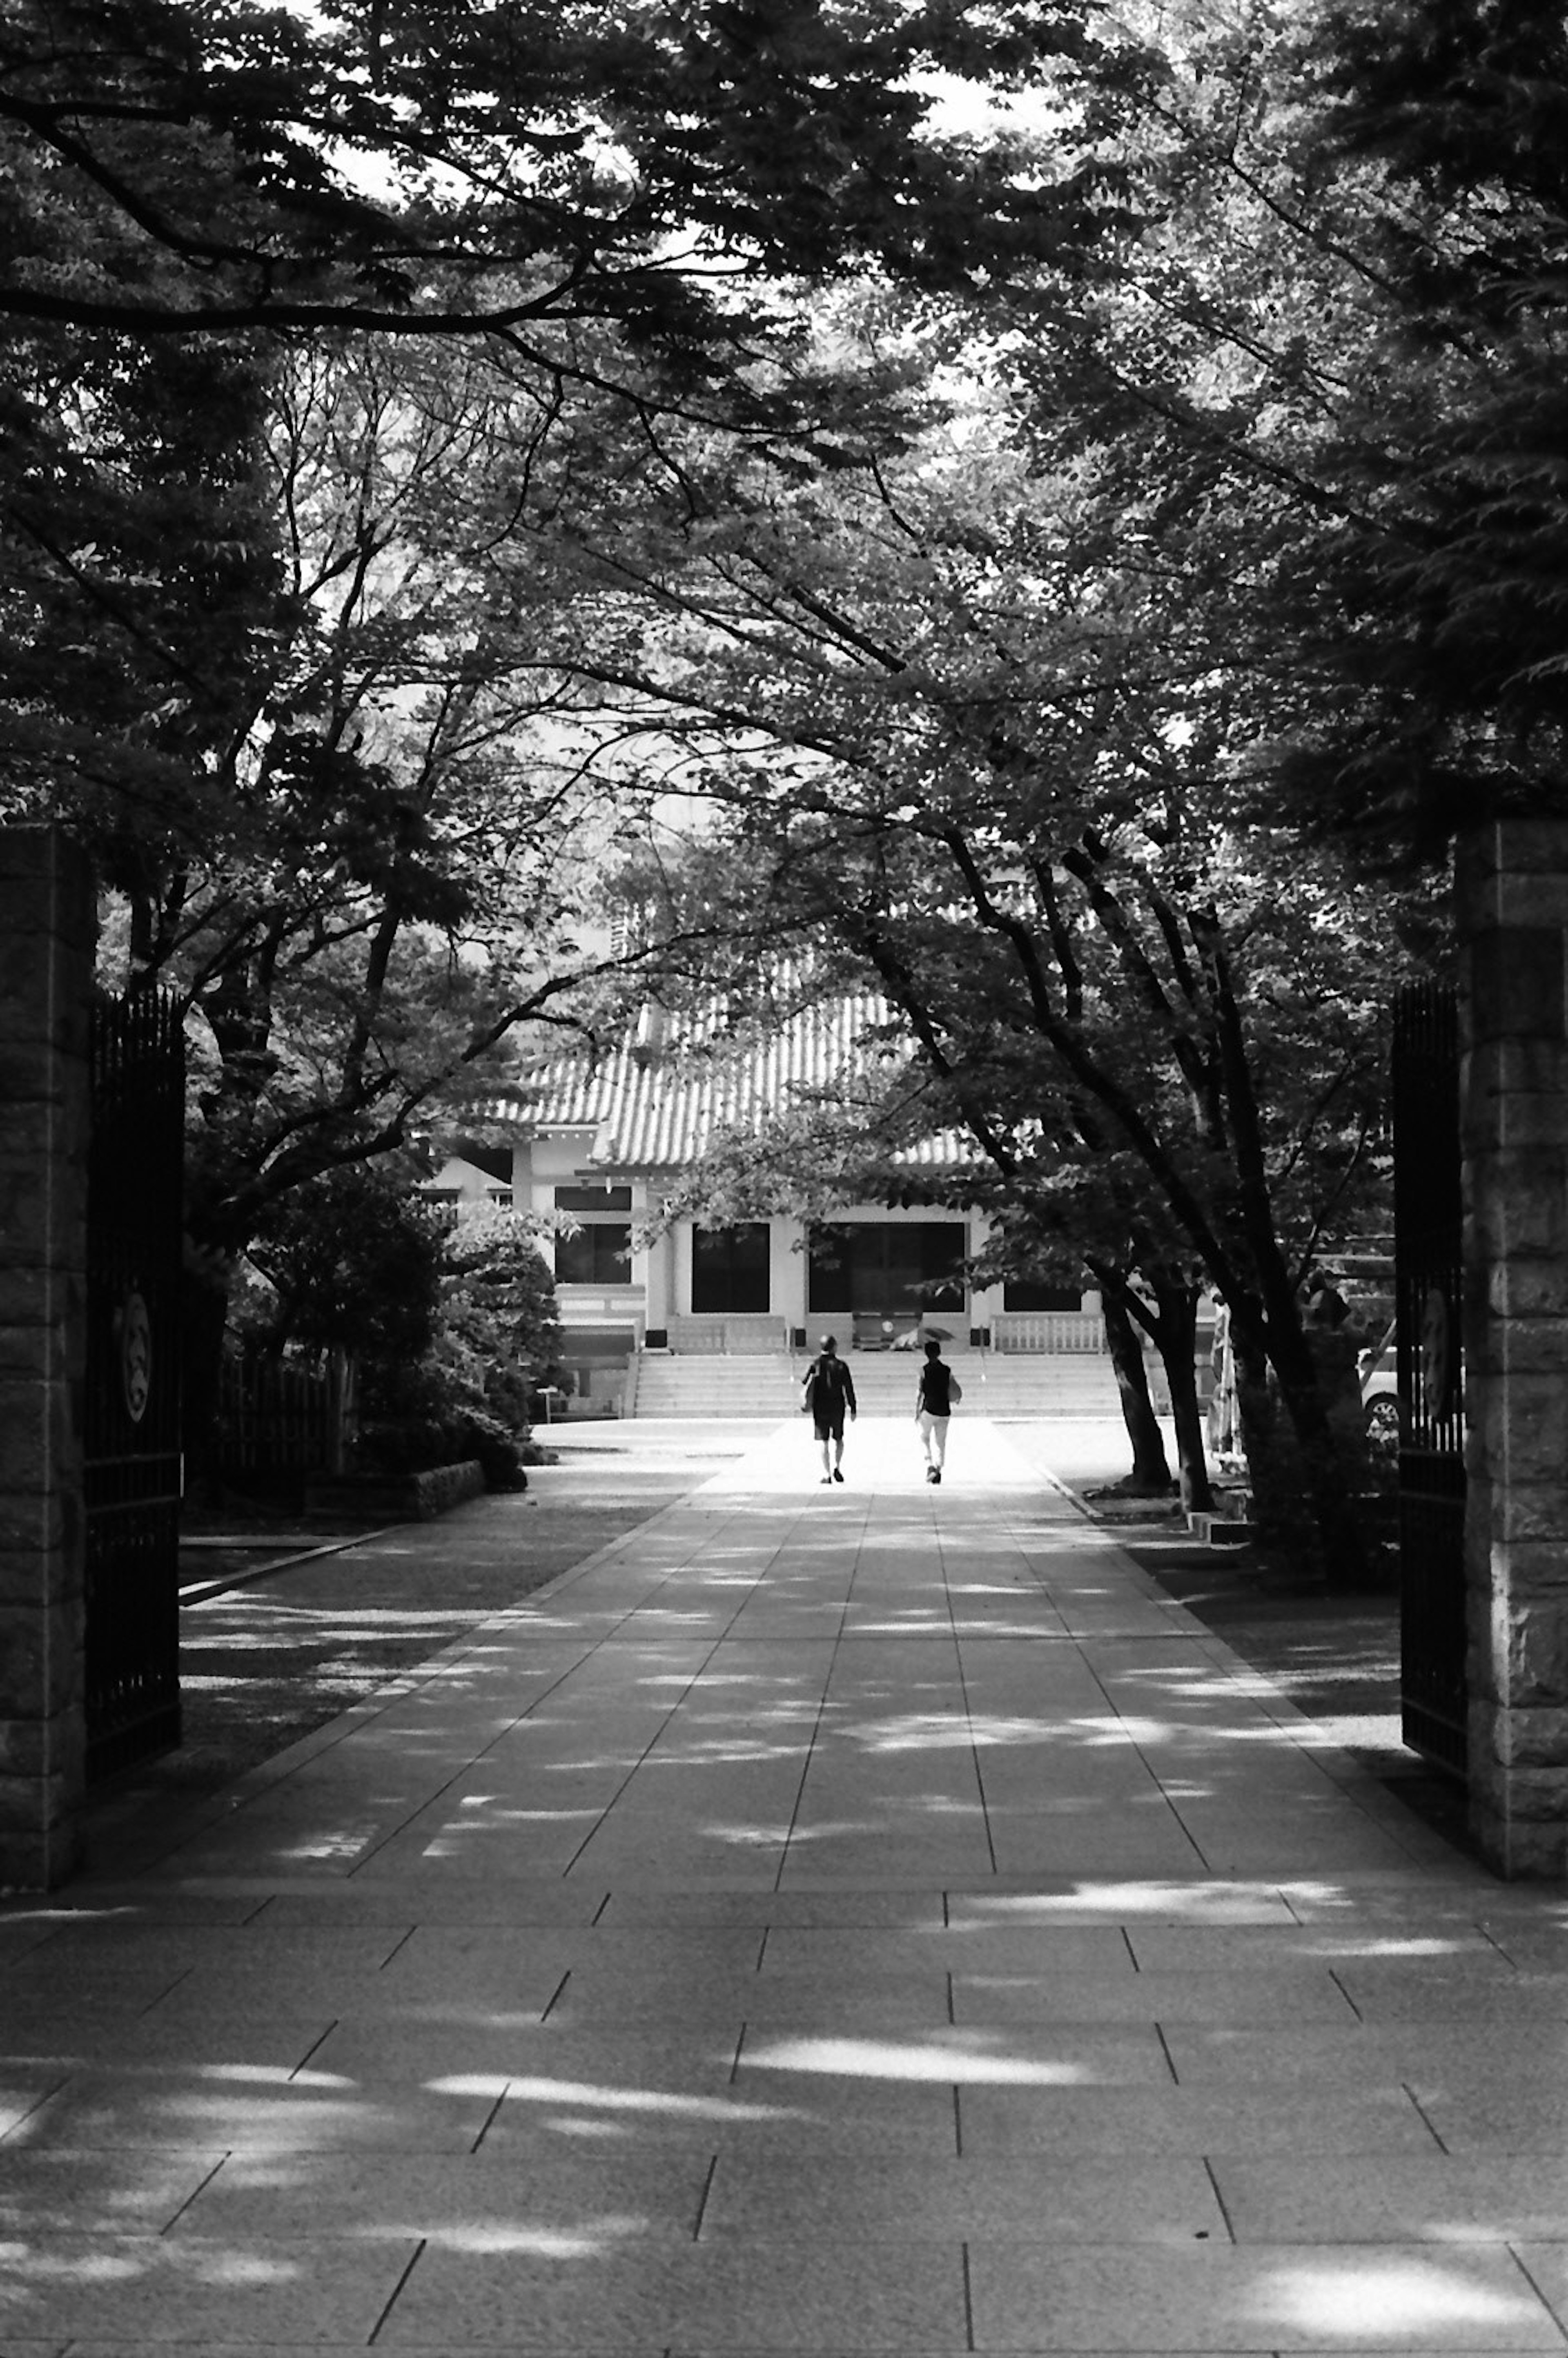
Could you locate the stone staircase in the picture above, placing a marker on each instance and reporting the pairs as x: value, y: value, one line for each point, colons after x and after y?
x: 767, y: 1384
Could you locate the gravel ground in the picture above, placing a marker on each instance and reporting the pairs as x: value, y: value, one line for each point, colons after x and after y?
x: 269, y: 1661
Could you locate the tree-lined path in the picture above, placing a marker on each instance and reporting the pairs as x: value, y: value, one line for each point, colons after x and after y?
x: 822, y: 1920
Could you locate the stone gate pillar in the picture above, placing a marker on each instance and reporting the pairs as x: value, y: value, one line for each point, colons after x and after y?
x: 46, y: 927
x: 1512, y: 903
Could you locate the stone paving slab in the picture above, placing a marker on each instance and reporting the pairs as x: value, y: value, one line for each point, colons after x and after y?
x: 870, y: 1919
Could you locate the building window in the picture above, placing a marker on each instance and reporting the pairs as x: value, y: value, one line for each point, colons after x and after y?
x: 593, y: 1199
x: 729, y: 1270
x: 1028, y: 1294
x: 886, y: 1268
x: 600, y: 1252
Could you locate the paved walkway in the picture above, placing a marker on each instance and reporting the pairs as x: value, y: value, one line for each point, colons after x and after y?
x: 834, y: 1921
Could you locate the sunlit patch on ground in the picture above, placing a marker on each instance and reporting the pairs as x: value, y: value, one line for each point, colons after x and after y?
x: 1200, y: 1901
x: 540, y: 2242
x: 201, y: 2263
x: 588, y: 2093
x: 889, y: 2059
x: 276, y: 2072
x: 1382, y: 2299
x: 332, y: 1843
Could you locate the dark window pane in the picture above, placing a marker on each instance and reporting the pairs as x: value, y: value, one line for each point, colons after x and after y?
x: 593, y: 1199
x: 937, y: 1251
x: 830, y: 1276
x: 1028, y: 1294
x: 883, y: 1266
x: 729, y: 1270
x: 600, y: 1254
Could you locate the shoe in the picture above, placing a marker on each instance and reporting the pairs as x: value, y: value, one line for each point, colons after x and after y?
x: 825, y: 1483
x: 837, y: 1476
x: 931, y: 1473
x: 937, y: 1472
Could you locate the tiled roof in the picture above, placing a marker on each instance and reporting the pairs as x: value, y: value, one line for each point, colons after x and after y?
x: 657, y: 1102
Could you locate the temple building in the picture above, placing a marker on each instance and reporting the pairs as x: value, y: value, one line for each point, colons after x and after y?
x: 602, y: 1147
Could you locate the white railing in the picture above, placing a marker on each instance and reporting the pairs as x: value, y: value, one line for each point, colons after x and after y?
x: 1048, y: 1330
x: 579, y: 1305
x: 753, y: 1334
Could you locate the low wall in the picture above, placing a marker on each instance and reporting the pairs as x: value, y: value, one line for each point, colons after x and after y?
x: 405, y: 1498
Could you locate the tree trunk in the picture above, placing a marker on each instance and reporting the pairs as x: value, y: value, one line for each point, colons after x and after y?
x: 1175, y: 1338
x: 1150, y: 1468
x: 1300, y: 1475
x: 1328, y: 1467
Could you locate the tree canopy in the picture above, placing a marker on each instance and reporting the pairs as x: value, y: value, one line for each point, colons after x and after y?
x: 181, y: 166
x: 1036, y: 538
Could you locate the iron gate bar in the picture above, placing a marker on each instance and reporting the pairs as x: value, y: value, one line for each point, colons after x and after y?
x: 131, y: 1412
x: 1428, y: 1280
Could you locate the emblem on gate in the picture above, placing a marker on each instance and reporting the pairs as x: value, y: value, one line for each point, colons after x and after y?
x: 136, y: 1356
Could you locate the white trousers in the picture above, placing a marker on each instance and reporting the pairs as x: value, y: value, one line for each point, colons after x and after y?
x: 934, y: 1432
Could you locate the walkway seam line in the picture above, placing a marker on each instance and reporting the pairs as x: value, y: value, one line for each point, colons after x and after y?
x: 1517, y: 2259
x: 1424, y: 2117
x: 414, y: 2259
x: 152, y: 2004
x: 39, y: 2101
x: 1219, y: 2198
x: 488, y: 2121
x: 968, y: 1708
x: 702, y: 2201
x: 826, y: 1691
x: 1344, y: 1994
x: 191, y: 2198
x: 314, y: 2048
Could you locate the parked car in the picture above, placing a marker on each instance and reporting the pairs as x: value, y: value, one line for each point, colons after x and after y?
x: 1380, y: 1391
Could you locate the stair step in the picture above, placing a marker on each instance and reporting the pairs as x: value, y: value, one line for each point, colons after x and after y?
x: 768, y: 1384
x: 1221, y: 1531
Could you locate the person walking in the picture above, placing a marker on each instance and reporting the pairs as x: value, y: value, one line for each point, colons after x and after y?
x: 938, y: 1392
x: 827, y: 1390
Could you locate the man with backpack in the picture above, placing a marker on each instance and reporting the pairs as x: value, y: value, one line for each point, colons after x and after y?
x: 828, y: 1388
x: 939, y: 1392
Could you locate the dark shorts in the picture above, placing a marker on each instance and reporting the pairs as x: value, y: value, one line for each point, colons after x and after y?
x: 828, y: 1426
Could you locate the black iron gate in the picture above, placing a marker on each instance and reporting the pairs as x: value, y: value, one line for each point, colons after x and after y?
x: 1427, y: 1277
x: 134, y: 1177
